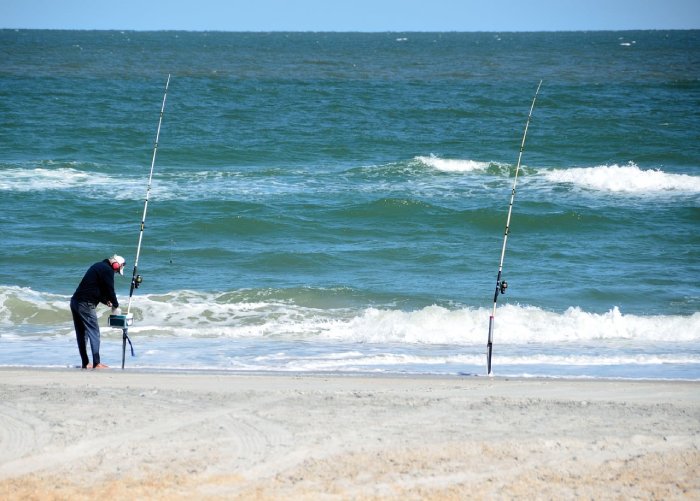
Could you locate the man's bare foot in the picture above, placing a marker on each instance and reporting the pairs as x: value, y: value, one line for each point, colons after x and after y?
x: 101, y: 366
x: 88, y: 366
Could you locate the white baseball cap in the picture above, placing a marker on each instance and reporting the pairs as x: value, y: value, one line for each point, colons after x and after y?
x: 119, y: 260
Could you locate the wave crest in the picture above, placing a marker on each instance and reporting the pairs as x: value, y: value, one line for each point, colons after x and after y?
x: 453, y: 165
x: 338, y: 315
x: 625, y: 179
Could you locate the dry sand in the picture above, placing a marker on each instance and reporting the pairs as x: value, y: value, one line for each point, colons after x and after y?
x: 72, y: 434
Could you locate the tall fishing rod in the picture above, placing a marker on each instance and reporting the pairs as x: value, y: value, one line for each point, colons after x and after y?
x: 124, y: 321
x: 135, y: 277
x: 502, y: 285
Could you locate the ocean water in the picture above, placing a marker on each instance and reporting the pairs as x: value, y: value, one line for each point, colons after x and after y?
x: 337, y: 201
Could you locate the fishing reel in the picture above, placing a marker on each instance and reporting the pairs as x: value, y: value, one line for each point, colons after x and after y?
x: 137, y: 281
x: 502, y: 286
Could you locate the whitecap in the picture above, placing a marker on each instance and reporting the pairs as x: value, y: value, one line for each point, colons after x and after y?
x: 195, y: 314
x: 624, y: 179
x: 452, y: 165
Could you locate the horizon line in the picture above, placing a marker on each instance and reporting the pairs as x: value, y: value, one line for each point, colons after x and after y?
x: 594, y: 30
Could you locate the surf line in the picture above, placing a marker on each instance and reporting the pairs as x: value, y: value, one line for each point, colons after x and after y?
x: 502, y: 285
x: 124, y: 321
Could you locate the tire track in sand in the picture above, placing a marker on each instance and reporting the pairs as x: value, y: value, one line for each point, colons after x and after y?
x: 20, y: 433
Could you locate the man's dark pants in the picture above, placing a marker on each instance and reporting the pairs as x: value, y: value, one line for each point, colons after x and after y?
x: 86, y: 326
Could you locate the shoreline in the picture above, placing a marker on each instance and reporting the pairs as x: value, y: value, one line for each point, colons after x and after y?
x: 339, y: 373
x: 68, y: 433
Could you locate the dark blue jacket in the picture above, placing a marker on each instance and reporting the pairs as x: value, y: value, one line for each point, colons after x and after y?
x: 97, y: 286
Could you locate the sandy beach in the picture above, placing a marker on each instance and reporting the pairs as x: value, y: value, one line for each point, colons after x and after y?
x: 72, y: 434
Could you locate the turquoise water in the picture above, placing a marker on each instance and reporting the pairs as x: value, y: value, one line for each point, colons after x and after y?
x: 330, y: 201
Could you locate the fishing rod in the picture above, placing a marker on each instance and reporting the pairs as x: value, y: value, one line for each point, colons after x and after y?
x: 135, y: 277
x: 502, y: 285
x: 124, y: 321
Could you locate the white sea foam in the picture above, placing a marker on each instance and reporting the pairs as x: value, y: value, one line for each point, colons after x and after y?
x: 216, y: 184
x: 514, y: 324
x: 269, y: 331
x: 69, y: 178
x: 624, y: 179
x: 430, y: 325
x: 22, y: 306
x: 192, y: 314
x: 453, y: 165
x: 40, y: 179
x: 387, y: 361
x: 164, y: 186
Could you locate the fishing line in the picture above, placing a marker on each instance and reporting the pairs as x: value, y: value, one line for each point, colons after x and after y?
x: 502, y: 285
x: 124, y: 321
